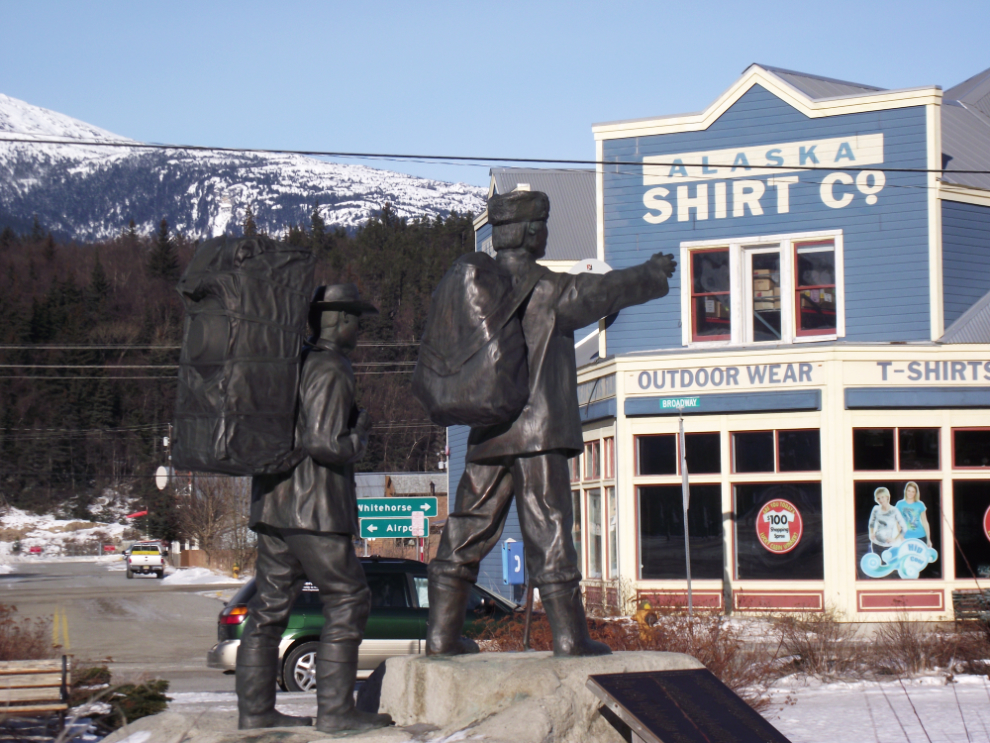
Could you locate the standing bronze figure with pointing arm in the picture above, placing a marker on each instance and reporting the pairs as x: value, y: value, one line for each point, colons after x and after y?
x: 525, y: 456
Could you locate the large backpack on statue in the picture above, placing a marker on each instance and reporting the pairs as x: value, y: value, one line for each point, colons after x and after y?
x: 247, y: 303
x: 472, y: 368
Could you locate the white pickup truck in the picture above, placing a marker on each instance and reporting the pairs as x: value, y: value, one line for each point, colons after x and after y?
x: 145, y: 559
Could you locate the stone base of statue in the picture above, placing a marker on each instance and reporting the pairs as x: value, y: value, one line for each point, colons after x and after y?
x: 498, y: 697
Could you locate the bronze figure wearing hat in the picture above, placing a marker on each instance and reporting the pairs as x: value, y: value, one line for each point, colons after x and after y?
x: 305, y: 520
x: 526, y: 458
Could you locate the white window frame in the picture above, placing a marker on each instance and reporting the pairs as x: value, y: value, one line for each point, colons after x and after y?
x: 741, y: 251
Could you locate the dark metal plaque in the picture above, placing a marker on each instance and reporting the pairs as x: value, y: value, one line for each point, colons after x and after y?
x: 681, y: 707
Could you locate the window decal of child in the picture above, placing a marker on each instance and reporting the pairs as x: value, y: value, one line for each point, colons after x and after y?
x: 915, y: 514
x: 887, y: 524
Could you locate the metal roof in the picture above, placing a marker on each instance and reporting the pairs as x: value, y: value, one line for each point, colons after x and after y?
x: 372, y: 484
x: 572, y: 207
x: 966, y: 131
x: 815, y: 86
x: 973, y: 326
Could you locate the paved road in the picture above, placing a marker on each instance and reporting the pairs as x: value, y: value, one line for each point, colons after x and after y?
x: 147, y: 628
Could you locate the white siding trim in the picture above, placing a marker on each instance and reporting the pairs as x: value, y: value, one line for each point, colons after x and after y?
x: 963, y: 194
x: 810, y: 107
x: 933, y: 115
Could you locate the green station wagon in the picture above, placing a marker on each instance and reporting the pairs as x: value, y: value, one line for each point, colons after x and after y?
x: 396, y: 626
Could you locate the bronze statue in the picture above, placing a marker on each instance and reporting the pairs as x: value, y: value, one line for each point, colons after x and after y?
x: 305, y: 520
x: 526, y: 457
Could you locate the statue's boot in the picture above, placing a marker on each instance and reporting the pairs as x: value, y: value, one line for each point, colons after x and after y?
x: 448, y: 607
x: 336, y: 670
x: 255, y: 684
x: 565, y: 610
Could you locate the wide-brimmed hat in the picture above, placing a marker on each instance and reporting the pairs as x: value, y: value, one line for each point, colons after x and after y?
x: 342, y: 297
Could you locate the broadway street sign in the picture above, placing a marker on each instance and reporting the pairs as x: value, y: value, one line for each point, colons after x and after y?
x: 388, y: 507
x: 397, y: 528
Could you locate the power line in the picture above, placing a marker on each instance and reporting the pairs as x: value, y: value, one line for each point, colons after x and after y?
x: 61, y: 347
x: 22, y: 139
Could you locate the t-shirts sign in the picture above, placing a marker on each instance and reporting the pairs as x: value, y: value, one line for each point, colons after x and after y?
x: 779, y: 526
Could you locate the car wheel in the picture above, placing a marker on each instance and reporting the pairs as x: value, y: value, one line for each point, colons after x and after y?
x: 129, y: 574
x: 161, y: 574
x: 299, y: 671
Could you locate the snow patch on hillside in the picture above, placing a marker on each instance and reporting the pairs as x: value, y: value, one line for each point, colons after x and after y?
x: 55, y: 536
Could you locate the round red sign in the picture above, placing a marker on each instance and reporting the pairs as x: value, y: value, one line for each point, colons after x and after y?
x: 779, y: 526
x: 986, y: 523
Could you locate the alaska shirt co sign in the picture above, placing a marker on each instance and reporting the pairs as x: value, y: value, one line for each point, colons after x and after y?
x: 394, y: 528
x: 383, y: 507
x: 720, y: 184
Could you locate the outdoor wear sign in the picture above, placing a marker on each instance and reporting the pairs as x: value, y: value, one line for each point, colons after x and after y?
x: 723, y: 184
x: 779, y: 526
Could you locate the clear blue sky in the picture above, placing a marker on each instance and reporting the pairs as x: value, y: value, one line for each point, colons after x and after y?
x: 507, y: 79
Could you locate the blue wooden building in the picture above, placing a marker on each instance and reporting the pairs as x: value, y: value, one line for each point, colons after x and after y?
x: 826, y: 338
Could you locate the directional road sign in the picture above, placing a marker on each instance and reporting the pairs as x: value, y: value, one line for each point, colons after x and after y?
x: 395, y: 528
x: 376, y: 508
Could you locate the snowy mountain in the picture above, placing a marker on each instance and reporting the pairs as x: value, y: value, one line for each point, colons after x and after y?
x: 92, y: 192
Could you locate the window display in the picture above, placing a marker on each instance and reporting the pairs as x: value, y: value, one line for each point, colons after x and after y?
x: 971, y: 519
x: 779, y: 531
x: 898, y: 529
x: 661, y: 532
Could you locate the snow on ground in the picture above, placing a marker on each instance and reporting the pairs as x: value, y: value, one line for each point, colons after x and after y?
x: 805, y: 711
x: 198, y: 577
x: 921, y: 710
x: 53, y: 535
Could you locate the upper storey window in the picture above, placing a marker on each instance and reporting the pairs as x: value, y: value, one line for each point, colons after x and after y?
x: 779, y: 289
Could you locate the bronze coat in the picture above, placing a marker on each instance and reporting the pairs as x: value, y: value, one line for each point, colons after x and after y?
x: 319, y: 493
x: 559, y: 305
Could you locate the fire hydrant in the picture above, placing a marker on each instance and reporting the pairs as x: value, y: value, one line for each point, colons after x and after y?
x: 646, y: 618
x: 236, y: 571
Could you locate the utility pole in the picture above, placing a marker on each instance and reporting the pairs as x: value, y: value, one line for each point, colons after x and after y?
x: 686, y: 497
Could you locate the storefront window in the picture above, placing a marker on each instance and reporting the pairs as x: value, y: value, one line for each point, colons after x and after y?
x: 576, y: 526
x: 765, y: 314
x: 873, y: 449
x: 704, y: 453
x: 798, y: 450
x: 917, y: 448
x: 593, y: 460
x: 877, y: 449
x: 656, y: 455
x: 609, y: 463
x: 710, y: 295
x: 971, y: 516
x: 613, y: 533
x: 898, y: 529
x: 971, y: 447
x: 779, y: 531
x: 661, y: 532
x: 783, y: 289
x: 575, y: 466
x: 752, y: 451
x: 815, y: 286
x: 595, y: 535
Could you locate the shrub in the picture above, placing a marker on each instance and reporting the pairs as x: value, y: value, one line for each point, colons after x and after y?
x: 22, y: 638
x: 819, y: 643
x: 904, y: 647
x: 705, y: 636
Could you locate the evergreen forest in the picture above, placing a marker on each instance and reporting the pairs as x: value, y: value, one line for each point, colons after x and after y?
x: 90, y: 339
